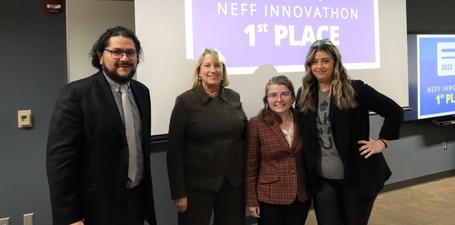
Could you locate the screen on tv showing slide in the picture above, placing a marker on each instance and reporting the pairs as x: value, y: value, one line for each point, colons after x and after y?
x: 431, y: 76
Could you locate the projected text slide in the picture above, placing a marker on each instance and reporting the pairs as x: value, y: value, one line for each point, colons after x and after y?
x: 277, y: 32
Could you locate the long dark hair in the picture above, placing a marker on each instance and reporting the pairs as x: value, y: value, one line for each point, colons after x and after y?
x: 266, y: 114
x: 103, y: 41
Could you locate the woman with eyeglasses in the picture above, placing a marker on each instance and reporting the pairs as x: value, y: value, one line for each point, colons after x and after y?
x: 275, y: 187
x: 345, y: 168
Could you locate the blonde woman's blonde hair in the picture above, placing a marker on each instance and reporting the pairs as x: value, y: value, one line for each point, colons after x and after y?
x: 196, y: 82
x: 340, y: 89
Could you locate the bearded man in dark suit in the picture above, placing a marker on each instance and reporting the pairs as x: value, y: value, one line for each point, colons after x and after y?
x: 98, y: 149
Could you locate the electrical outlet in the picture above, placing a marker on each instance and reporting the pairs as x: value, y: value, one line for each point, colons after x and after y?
x: 28, y: 219
x: 24, y: 118
x: 4, y: 221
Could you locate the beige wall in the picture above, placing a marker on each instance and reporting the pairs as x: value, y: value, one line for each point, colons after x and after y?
x: 85, y: 21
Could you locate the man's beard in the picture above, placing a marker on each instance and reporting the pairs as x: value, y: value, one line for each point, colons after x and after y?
x: 116, y: 77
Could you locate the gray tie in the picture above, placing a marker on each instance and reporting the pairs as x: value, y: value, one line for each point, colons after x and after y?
x: 130, y: 133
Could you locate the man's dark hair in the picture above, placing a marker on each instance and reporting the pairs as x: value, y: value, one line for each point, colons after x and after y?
x: 103, y: 41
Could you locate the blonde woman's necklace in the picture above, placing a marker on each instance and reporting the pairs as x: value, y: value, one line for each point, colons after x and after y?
x: 212, y: 92
x: 212, y: 95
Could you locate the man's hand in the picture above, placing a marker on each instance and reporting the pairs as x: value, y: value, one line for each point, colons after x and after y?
x: 181, y: 204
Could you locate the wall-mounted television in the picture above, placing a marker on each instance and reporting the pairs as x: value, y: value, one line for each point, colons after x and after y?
x: 431, y: 66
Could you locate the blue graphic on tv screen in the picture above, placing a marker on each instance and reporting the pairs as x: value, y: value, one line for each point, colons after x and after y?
x: 436, y: 75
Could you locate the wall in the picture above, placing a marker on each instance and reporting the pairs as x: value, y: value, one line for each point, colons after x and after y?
x: 434, y: 16
x: 32, y: 71
x: 86, y: 20
x: 419, y: 151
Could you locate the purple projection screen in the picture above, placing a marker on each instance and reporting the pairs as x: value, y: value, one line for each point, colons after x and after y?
x: 263, y: 38
x: 279, y: 32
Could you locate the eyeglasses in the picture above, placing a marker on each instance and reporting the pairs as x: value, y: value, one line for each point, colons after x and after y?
x: 116, y: 53
x: 275, y: 95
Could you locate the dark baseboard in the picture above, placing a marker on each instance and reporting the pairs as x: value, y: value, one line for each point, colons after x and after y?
x: 418, y: 180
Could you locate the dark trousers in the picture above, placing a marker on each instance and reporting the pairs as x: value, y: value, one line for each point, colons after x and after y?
x: 227, y: 204
x: 135, y: 206
x: 336, y: 204
x: 293, y: 214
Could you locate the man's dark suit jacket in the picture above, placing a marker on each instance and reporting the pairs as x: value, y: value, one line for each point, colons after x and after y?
x: 365, y: 176
x: 87, y: 154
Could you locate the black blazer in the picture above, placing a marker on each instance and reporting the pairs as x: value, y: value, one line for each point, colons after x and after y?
x: 206, y: 141
x: 87, y: 154
x: 365, y: 176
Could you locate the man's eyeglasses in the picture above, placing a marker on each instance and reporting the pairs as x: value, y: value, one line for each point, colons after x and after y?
x: 115, y: 53
x: 275, y: 95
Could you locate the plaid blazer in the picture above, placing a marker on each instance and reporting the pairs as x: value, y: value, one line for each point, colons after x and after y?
x: 274, y: 171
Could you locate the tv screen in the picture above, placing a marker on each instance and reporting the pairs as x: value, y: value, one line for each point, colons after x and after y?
x: 431, y: 66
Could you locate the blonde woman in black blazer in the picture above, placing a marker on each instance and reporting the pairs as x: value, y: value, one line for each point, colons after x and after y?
x: 205, y: 157
x: 345, y: 168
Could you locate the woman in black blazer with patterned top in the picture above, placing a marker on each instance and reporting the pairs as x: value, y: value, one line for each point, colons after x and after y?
x: 345, y: 168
